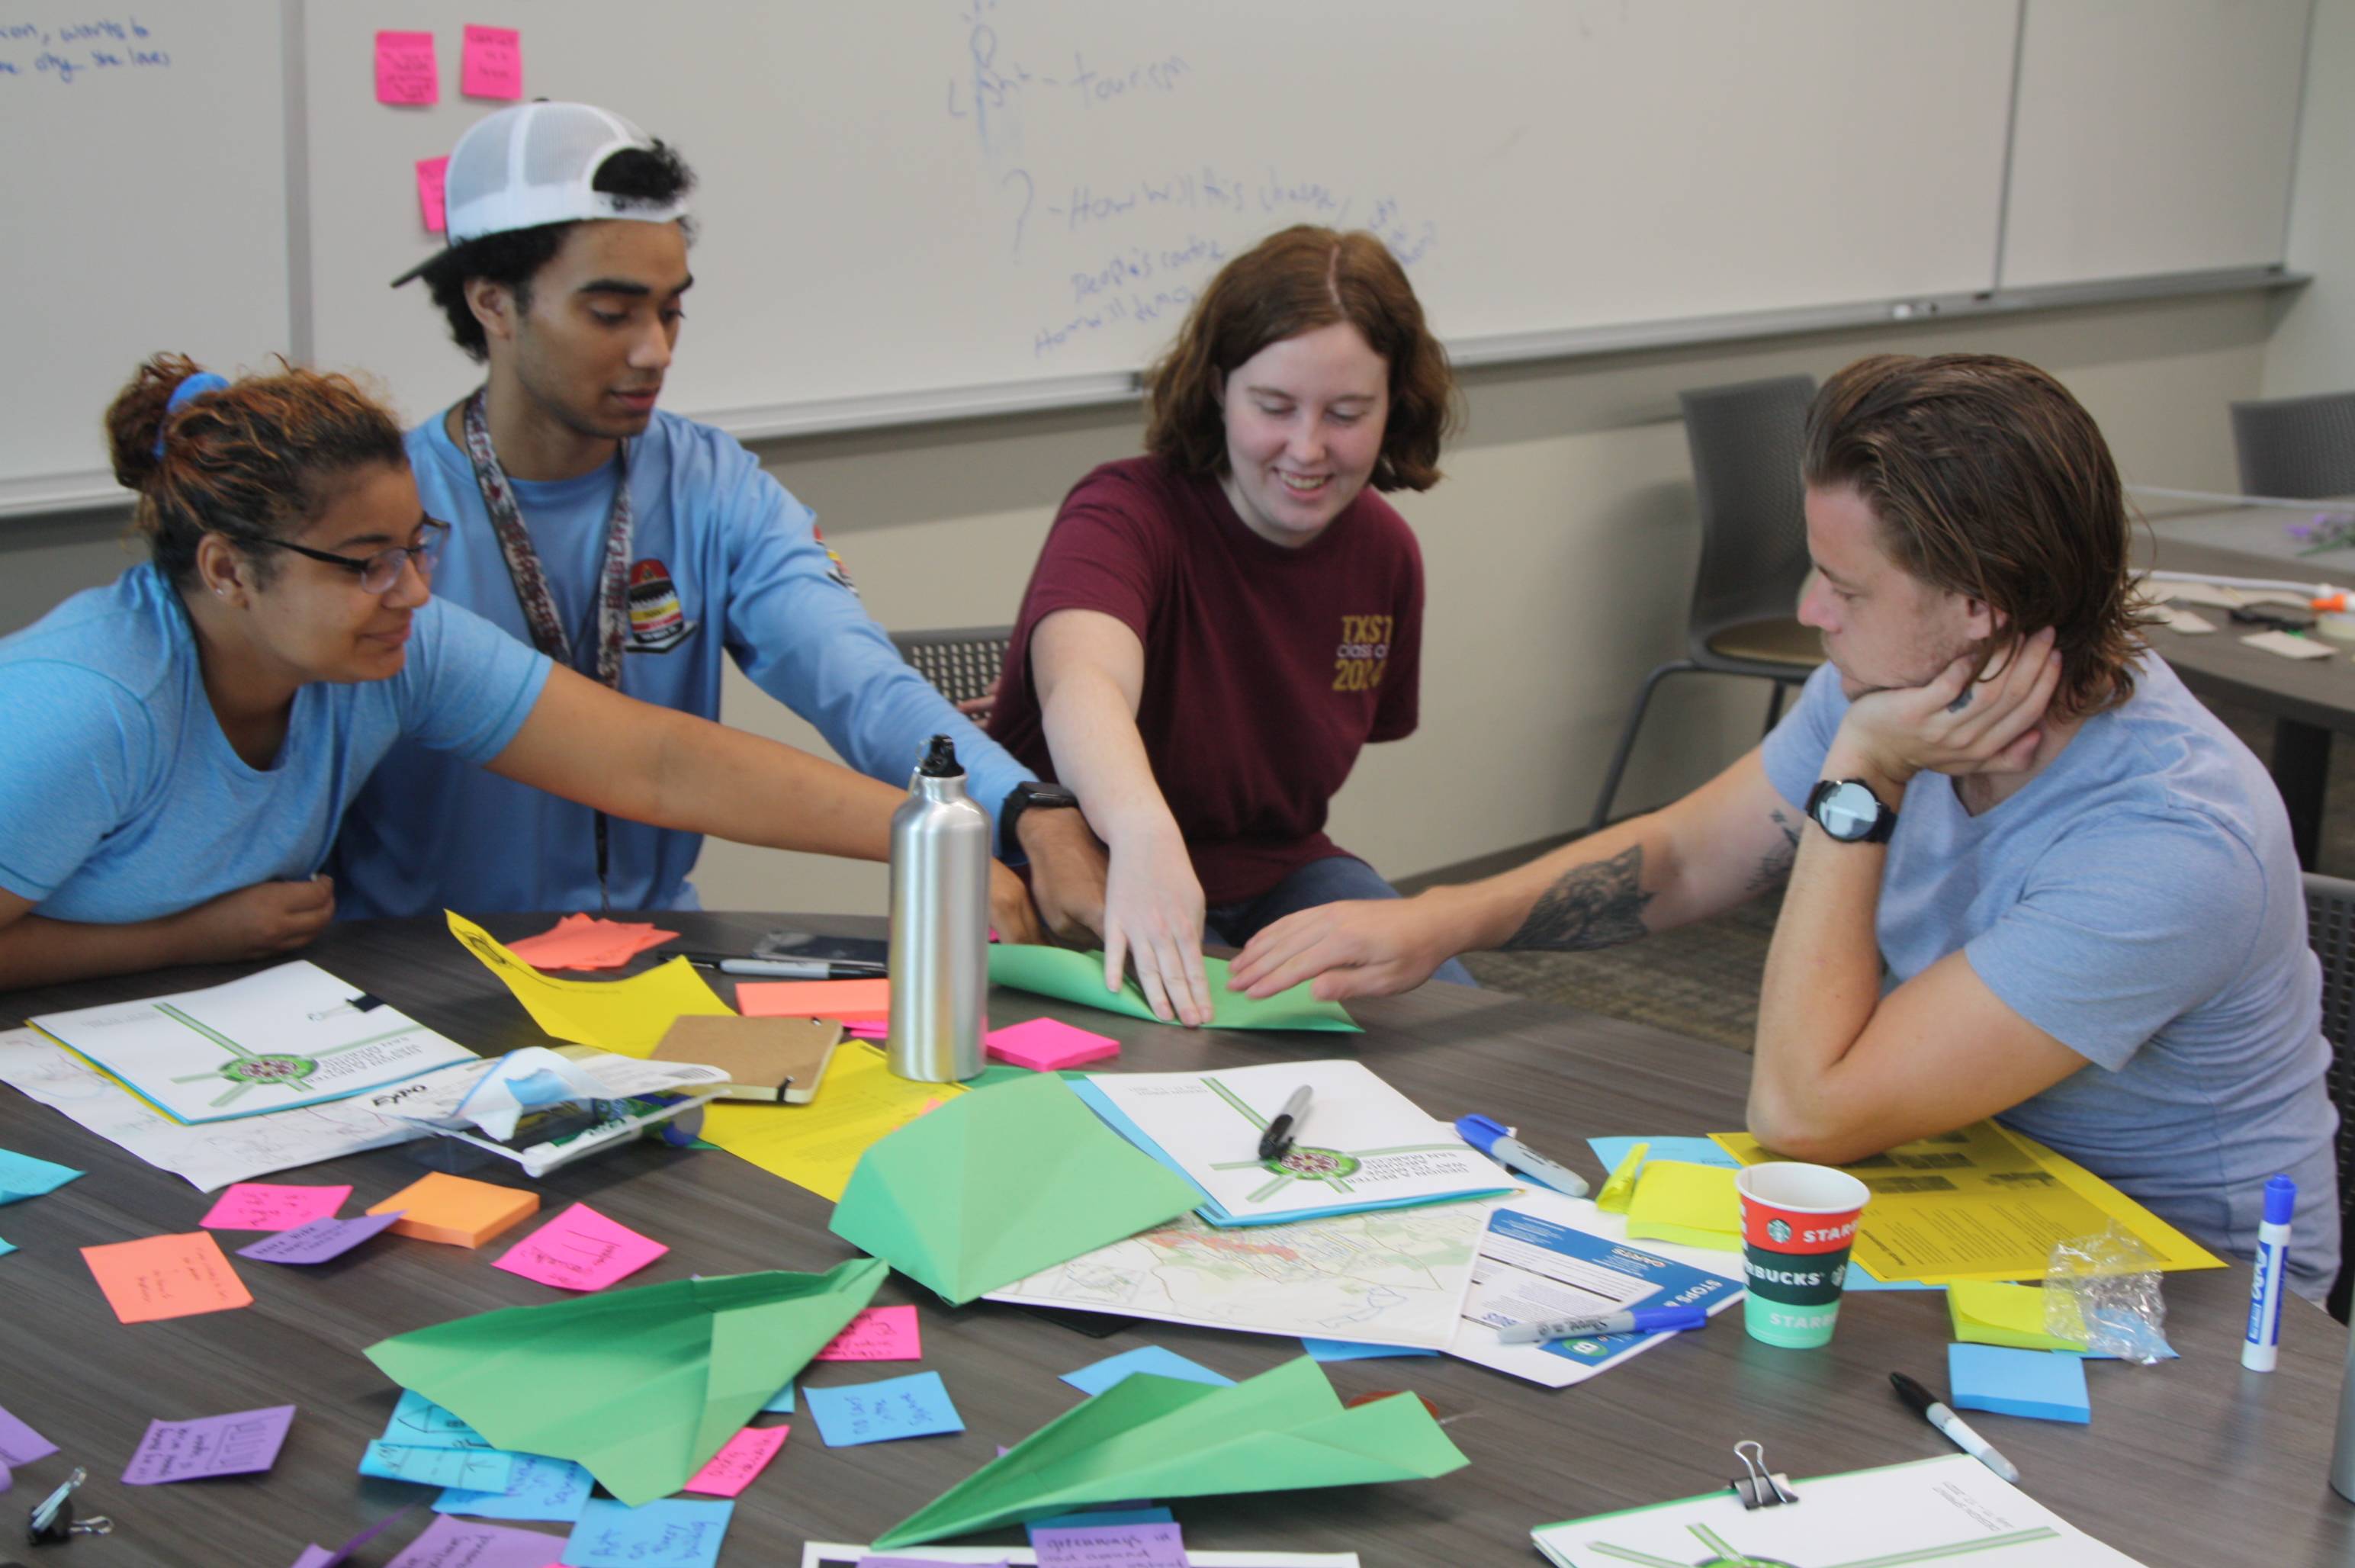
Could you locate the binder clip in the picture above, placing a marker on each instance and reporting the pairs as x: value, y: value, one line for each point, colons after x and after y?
x: 52, y: 1519
x: 1761, y: 1487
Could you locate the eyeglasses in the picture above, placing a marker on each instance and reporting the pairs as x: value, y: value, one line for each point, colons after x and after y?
x: 380, y: 571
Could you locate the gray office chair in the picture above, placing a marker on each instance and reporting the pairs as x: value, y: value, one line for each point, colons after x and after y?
x: 2330, y: 931
x: 2296, y: 447
x: 963, y: 661
x: 1753, y: 550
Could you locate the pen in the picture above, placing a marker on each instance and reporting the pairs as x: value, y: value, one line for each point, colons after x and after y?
x: 1274, y: 1143
x: 2262, y: 1343
x: 1489, y: 1137
x: 1636, y: 1320
x: 790, y: 968
x: 1934, y: 1409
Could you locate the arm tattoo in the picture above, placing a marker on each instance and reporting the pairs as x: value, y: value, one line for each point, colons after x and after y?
x: 1775, y: 866
x: 1599, y: 904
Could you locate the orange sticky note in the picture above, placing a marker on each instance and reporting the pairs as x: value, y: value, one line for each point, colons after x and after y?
x: 589, y: 941
x: 166, y: 1277
x: 405, y: 70
x: 456, y: 1210
x: 432, y: 174
x: 491, y: 65
x: 852, y: 1001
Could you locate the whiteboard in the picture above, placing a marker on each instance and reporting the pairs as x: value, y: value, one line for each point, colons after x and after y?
x: 901, y: 198
x: 2153, y: 137
x: 144, y: 202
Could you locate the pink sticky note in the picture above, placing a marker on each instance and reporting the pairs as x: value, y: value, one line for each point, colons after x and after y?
x: 405, y: 71
x: 740, y: 1459
x: 265, y: 1206
x: 868, y: 1030
x: 580, y: 1250
x: 877, y: 1334
x: 491, y: 65
x: 1044, y: 1045
x: 433, y: 174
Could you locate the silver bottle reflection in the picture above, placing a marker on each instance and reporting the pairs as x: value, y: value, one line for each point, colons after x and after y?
x: 940, y: 924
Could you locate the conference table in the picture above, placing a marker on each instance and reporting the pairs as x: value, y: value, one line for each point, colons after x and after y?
x: 2188, y: 1465
x: 2308, y: 700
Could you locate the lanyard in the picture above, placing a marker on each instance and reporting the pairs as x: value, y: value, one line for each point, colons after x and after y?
x: 531, y: 590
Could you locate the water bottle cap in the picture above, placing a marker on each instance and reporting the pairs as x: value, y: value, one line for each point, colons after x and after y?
x: 941, y: 760
x: 2281, y: 1201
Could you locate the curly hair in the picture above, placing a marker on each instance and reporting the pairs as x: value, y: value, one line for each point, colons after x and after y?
x: 655, y: 177
x: 256, y: 460
x: 1292, y: 281
x: 1988, y: 480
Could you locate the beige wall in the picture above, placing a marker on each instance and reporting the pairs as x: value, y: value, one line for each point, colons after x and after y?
x: 2313, y: 346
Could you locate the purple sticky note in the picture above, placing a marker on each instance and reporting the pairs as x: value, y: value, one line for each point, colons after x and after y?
x: 1129, y: 1545
x: 316, y: 1556
x: 318, y: 1241
x: 449, y: 1541
x: 19, y: 1443
x: 235, y: 1444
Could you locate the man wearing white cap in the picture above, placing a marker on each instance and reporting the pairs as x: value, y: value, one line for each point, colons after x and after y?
x: 633, y: 545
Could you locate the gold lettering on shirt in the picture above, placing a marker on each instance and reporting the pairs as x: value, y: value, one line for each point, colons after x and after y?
x: 1364, y: 651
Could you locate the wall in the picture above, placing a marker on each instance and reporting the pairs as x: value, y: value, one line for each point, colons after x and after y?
x: 1559, y: 550
x: 2313, y: 344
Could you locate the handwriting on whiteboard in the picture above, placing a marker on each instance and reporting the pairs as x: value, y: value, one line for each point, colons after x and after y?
x: 71, y: 52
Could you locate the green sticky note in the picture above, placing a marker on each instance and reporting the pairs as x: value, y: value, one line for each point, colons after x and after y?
x: 1159, y: 1437
x: 1079, y: 978
x: 643, y: 1386
x: 1989, y: 1312
x: 998, y: 1184
x: 1695, y: 1204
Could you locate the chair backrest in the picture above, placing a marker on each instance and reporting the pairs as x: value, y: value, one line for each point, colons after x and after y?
x: 2330, y: 931
x: 2298, y: 447
x: 1753, y: 530
x: 963, y: 661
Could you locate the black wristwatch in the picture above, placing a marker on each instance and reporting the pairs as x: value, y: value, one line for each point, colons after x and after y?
x: 1030, y: 793
x: 1848, y: 810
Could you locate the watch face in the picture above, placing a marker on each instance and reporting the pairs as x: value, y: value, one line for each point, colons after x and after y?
x: 1847, y: 811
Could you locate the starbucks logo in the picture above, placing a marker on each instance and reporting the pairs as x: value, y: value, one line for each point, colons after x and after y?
x: 1779, y: 1229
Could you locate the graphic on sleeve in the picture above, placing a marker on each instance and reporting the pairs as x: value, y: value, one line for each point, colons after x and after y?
x: 1365, y: 650
x: 835, y: 572
x: 658, y: 625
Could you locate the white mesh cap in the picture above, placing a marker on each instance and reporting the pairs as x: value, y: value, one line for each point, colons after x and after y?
x: 531, y: 165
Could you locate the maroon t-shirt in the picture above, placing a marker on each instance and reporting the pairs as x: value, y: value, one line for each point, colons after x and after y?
x: 1265, y: 669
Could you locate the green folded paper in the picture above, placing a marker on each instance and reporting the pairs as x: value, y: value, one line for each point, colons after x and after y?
x: 1079, y: 978
x: 998, y: 1184
x: 1150, y: 1437
x: 641, y: 1386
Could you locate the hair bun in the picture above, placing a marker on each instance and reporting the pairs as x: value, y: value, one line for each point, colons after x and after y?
x: 135, y: 421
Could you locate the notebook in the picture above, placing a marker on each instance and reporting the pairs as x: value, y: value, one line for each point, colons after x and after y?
x: 765, y: 1059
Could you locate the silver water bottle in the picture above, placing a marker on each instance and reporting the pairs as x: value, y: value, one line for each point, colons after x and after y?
x: 940, y: 924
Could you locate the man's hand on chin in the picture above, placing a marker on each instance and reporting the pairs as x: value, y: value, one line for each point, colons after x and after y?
x: 1954, y: 725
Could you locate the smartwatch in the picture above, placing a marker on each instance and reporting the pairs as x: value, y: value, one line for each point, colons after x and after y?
x: 1848, y: 810
x: 1030, y: 793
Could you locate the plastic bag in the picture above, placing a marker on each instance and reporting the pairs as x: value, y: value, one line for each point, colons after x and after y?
x: 2103, y: 1290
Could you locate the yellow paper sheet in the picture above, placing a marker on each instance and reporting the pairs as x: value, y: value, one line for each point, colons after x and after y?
x: 814, y: 1146
x: 628, y: 1018
x: 1695, y: 1204
x: 1982, y: 1202
x: 1989, y: 1312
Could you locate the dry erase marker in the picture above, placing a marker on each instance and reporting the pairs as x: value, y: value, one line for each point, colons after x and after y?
x: 2262, y: 1343
x: 1934, y: 1409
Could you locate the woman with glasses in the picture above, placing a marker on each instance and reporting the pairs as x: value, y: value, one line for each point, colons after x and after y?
x: 182, y: 743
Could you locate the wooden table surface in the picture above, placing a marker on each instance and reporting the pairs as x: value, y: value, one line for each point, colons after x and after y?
x: 2193, y: 1464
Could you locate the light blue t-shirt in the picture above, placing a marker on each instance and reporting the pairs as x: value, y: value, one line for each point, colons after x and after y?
x: 724, y: 564
x: 120, y: 799
x: 2139, y: 900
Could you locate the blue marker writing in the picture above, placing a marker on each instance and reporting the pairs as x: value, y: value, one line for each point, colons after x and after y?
x: 2262, y: 1343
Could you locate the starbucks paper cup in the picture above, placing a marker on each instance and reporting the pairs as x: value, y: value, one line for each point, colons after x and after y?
x: 1798, y: 1222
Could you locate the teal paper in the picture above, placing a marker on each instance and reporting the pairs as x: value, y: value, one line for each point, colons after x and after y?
x: 782, y: 1403
x: 1101, y: 1375
x: 1072, y: 977
x: 917, y: 1405
x: 471, y: 1469
x: 1344, y: 1351
x: 23, y: 1176
x: 545, y: 1489
x: 672, y: 1532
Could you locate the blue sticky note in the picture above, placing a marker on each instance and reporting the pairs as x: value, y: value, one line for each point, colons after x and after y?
x: 913, y: 1406
x: 2049, y: 1385
x: 782, y: 1404
x: 1096, y: 1377
x: 1344, y: 1351
x: 472, y: 1469
x: 418, y: 1423
x: 22, y: 1176
x: 541, y: 1488
x: 6, y: 1247
x: 671, y: 1532
x: 1103, y: 1518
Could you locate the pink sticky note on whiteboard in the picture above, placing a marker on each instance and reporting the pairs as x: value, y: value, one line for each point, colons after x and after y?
x: 492, y: 63
x: 267, y: 1206
x: 740, y: 1459
x: 405, y: 71
x: 431, y: 174
x: 1045, y: 1044
x: 877, y: 1334
x: 580, y: 1250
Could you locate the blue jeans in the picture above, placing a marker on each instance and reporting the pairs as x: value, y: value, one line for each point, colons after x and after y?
x: 1325, y: 881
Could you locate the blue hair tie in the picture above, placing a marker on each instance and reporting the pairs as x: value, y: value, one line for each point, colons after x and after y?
x: 187, y: 392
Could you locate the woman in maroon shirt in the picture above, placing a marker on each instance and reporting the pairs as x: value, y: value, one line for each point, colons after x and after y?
x: 1215, y: 629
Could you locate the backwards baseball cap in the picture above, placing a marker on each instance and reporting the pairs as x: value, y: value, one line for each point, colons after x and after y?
x: 535, y: 164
